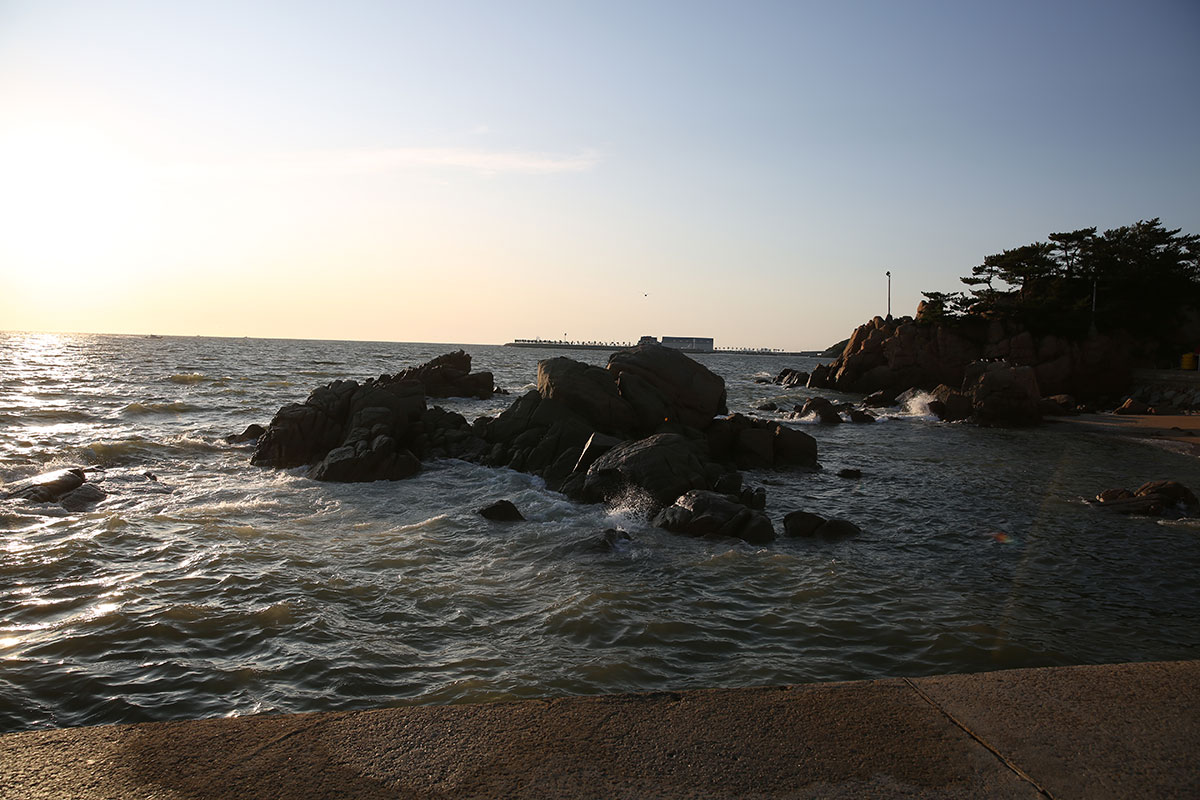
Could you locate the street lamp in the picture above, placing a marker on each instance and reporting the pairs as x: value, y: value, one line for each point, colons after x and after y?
x: 889, y: 276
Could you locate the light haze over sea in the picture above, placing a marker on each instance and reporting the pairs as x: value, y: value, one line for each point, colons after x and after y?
x: 220, y: 588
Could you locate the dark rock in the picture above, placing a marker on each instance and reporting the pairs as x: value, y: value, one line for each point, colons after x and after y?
x: 950, y: 405
x: 251, y: 434
x: 1151, y: 498
x: 1003, y: 395
x: 1173, y: 492
x: 663, y: 384
x: 820, y: 377
x: 753, y: 498
x: 1059, y: 405
x: 1131, y: 406
x: 502, y: 511
x: 597, y: 445
x: 729, y: 483
x: 822, y: 408
x: 704, y: 513
x: 449, y: 375
x: 802, y: 524
x: 881, y: 399
x: 589, y: 391
x: 792, y: 378
x: 837, y: 529
x: 82, y: 498
x: 47, y: 487
x: 749, y: 442
x: 366, y: 460
x: 849, y: 473
x: 767, y: 407
x: 664, y: 466
x: 794, y: 448
x: 860, y: 417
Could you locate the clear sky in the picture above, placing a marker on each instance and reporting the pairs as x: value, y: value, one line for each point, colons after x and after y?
x: 478, y: 171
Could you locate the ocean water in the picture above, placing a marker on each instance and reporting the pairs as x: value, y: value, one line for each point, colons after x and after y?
x: 219, y: 588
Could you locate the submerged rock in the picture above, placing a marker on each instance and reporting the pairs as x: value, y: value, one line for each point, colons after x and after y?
x: 502, y: 511
x: 83, y: 498
x: 664, y: 466
x: 806, y: 525
x: 704, y: 513
x: 48, y: 487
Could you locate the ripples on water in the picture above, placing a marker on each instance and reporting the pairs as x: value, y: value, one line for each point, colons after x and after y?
x: 218, y: 588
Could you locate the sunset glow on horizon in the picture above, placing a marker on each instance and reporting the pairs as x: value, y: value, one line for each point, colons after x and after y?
x: 475, y: 174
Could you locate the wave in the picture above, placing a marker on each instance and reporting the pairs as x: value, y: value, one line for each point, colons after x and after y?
x: 136, y: 449
x: 187, y: 377
x: 169, y: 407
x: 48, y: 415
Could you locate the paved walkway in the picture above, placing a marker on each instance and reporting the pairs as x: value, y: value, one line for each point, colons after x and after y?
x: 1130, y: 730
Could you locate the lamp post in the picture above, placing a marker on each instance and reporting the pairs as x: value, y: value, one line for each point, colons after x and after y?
x: 889, y: 277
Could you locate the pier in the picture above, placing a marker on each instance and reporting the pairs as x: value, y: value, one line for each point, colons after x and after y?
x: 563, y: 344
x: 1087, y: 732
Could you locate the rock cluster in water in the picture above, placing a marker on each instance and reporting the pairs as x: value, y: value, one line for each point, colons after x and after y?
x: 653, y: 425
x: 377, y: 430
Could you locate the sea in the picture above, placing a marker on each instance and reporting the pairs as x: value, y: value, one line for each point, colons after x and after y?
x: 203, y: 586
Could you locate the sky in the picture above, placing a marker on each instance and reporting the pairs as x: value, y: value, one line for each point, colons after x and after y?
x: 474, y: 172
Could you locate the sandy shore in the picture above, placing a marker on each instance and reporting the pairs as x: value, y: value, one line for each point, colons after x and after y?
x: 1180, y: 430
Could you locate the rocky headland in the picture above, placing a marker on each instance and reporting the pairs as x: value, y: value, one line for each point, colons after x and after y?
x: 992, y: 372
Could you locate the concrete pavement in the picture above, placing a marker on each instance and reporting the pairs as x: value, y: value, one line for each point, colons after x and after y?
x: 1129, y: 730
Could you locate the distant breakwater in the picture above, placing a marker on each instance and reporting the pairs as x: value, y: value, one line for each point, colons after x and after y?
x: 559, y: 344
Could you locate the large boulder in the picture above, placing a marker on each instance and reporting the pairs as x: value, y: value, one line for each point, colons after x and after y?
x: 364, y: 460
x: 821, y: 408
x: 1003, y: 395
x: 704, y: 513
x: 752, y: 443
x: 450, y: 375
x: 589, y: 391
x: 665, y: 385
x: 950, y: 405
x: 664, y: 466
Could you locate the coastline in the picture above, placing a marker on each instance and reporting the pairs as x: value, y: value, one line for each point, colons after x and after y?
x: 1180, y: 432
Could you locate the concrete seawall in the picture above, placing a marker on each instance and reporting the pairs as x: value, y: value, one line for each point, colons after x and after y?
x: 1127, y: 730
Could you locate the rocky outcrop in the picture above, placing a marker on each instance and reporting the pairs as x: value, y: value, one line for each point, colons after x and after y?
x: 791, y: 378
x: 702, y: 513
x: 751, y: 443
x: 950, y: 405
x: 1153, y: 498
x: 662, y: 384
x: 663, y: 466
x: 68, y: 487
x: 377, y: 430
x: 821, y: 408
x: 252, y: 434
x: 1002, y: 394
x: 48, y: 487
x: 449, y: 375
x: 904, y: 353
